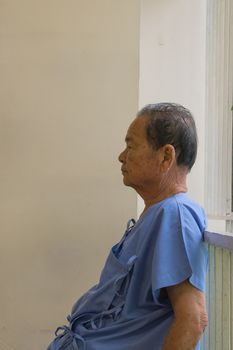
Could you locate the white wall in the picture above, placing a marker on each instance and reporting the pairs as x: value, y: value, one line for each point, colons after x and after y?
x: 68, y: 90
x: 172, y: 66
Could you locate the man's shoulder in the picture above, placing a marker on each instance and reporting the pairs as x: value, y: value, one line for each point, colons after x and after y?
x: 182, y: 202
x: 178, y: 207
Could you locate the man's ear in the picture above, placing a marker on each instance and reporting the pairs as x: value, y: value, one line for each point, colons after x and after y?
x: 169, y: 156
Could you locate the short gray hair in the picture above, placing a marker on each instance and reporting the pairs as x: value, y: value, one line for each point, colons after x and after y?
x: 171, y: 123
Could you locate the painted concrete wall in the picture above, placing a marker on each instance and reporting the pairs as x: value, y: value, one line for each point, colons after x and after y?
x: 68, y: 90
x: 172, y: 66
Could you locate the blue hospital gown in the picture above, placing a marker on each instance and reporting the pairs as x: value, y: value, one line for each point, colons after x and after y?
x: 125, y: 310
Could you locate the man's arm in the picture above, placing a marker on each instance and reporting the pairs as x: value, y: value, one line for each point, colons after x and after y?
x: 190, y: 317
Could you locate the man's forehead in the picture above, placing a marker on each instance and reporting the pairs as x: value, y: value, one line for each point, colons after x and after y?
x: 136, y: 128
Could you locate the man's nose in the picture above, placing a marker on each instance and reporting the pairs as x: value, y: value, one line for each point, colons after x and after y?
x: 121, y: 157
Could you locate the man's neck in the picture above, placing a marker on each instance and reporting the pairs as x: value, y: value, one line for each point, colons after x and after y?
x: 169, y: 186
x: 151, y: 200
x: 156, y: 199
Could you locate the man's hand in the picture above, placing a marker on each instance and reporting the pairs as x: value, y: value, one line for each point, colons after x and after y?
x: 190, y: 317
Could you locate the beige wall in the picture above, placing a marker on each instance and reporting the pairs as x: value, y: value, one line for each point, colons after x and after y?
x: 68, y: 89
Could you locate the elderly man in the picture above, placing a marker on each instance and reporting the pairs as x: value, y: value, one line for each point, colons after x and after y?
x: 150, y: 295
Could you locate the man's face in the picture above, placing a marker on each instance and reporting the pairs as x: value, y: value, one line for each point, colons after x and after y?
x: 140, y: 163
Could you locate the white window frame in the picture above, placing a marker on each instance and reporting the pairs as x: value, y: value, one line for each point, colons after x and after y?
x: 219, y: 99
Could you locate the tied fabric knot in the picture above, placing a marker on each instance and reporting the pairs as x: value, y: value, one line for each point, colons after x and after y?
x: 68, y: 338
x: 96, y: 322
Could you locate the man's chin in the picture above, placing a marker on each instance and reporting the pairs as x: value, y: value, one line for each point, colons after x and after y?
x: 126, y: 182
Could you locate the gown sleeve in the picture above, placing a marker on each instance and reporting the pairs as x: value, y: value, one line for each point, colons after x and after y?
x: 180, y: 252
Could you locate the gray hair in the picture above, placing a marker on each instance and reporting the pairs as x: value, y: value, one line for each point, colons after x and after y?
x: 171, y: 123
